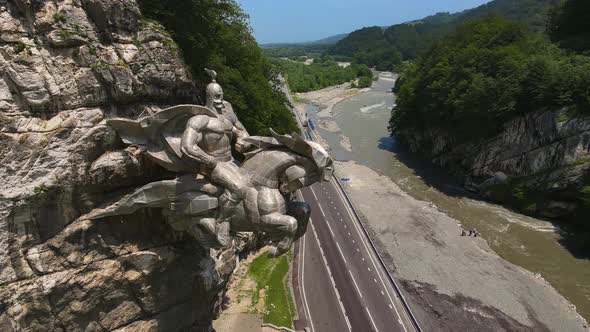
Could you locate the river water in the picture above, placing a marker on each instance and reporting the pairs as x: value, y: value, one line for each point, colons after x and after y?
x: 530, y: 243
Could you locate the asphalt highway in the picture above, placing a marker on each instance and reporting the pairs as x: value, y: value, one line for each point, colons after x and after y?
x: 350, y: 283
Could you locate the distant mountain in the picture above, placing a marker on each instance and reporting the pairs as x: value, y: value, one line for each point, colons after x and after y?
x: 331, y: 39
x: 324, y: 41
x: 384, y: 48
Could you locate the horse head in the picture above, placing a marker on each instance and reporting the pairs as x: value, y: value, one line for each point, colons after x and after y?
x: 312, y: 162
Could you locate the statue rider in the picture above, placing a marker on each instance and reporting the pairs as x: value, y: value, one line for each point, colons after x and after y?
x: 207, y: 140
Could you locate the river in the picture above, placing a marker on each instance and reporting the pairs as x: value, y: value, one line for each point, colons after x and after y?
x: 530, y: 243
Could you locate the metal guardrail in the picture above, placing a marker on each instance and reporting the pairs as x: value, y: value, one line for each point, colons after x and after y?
x: 389, y: 276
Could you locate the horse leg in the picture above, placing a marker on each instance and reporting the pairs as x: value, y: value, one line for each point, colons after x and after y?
x: 284, y: 224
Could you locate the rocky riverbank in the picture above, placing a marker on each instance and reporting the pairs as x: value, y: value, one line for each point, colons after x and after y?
x: 454, y: 283
x: 539, y: 163
x: 327, y: 99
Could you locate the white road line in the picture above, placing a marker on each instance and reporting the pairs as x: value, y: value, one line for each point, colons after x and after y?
x: 330, y: 274
x: 382, y: 293
x: 372, y: 321
x: 330, y: 229
x: 355, y: 284
x: 369, y: 269
x: 318, y: 201
x: 390, y: 306
x: 357, y: 227
x: 341, y: 254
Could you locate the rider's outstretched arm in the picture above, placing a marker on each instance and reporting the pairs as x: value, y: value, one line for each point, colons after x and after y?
x: 191, y: 137
x: 240, y: 131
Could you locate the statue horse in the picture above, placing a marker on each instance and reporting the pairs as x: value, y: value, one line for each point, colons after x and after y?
x: 279, y: 166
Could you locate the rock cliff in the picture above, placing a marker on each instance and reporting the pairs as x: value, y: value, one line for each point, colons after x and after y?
x: 539, y: 162
x: 66, y: 66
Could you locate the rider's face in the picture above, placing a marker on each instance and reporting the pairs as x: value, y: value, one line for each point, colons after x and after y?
x: 218, y: 99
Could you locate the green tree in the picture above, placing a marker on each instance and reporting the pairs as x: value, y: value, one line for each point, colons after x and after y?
x: 569, y: 25
x: 215, y: 34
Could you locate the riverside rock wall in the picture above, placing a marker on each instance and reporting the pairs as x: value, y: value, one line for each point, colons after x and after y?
x: 65, y: 67
x: 539, y: 162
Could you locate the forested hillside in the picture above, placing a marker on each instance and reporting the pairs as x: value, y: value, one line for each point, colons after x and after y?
x: 317, y: 47
x: 486, y: 72
x: 216, y: 34
x: 494, y: 81
x: 385, y: 48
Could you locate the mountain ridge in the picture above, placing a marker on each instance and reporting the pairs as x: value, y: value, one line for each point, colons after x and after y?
x: 410, y: 39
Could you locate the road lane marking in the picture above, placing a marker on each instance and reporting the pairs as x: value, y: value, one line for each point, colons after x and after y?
x: 341, y: 254
x: 318, y: 201
x: 375, y: 280
x: 331, y: 277
x: 390, y: 306
x: 357, y: 227
x: 355, y: 284
x: 372, y: 321
x: 382, y: 293
x: 369, y: 269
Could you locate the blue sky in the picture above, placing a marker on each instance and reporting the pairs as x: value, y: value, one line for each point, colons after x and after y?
x: 308, y: 20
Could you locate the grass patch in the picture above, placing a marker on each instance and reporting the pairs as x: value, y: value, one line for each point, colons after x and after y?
x: 579, y: 162
x: 98, y: 65
x: 19, y: 47
x: 40, y: 189
x: 59, y: 17
x: 270, y: 273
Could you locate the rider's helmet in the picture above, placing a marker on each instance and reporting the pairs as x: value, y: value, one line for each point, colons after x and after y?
x: 214, y: 92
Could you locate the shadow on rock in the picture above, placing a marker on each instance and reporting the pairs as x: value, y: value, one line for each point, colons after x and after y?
x: 432, y: 175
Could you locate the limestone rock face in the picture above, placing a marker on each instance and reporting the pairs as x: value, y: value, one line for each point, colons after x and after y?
x: 546, y: 151
x: 65, y: 67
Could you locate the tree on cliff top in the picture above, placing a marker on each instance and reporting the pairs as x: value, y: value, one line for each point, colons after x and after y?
x: 215, y: 34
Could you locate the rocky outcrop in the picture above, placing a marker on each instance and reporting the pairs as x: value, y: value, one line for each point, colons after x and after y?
x: 539, y: 162
x: 65, y: 67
